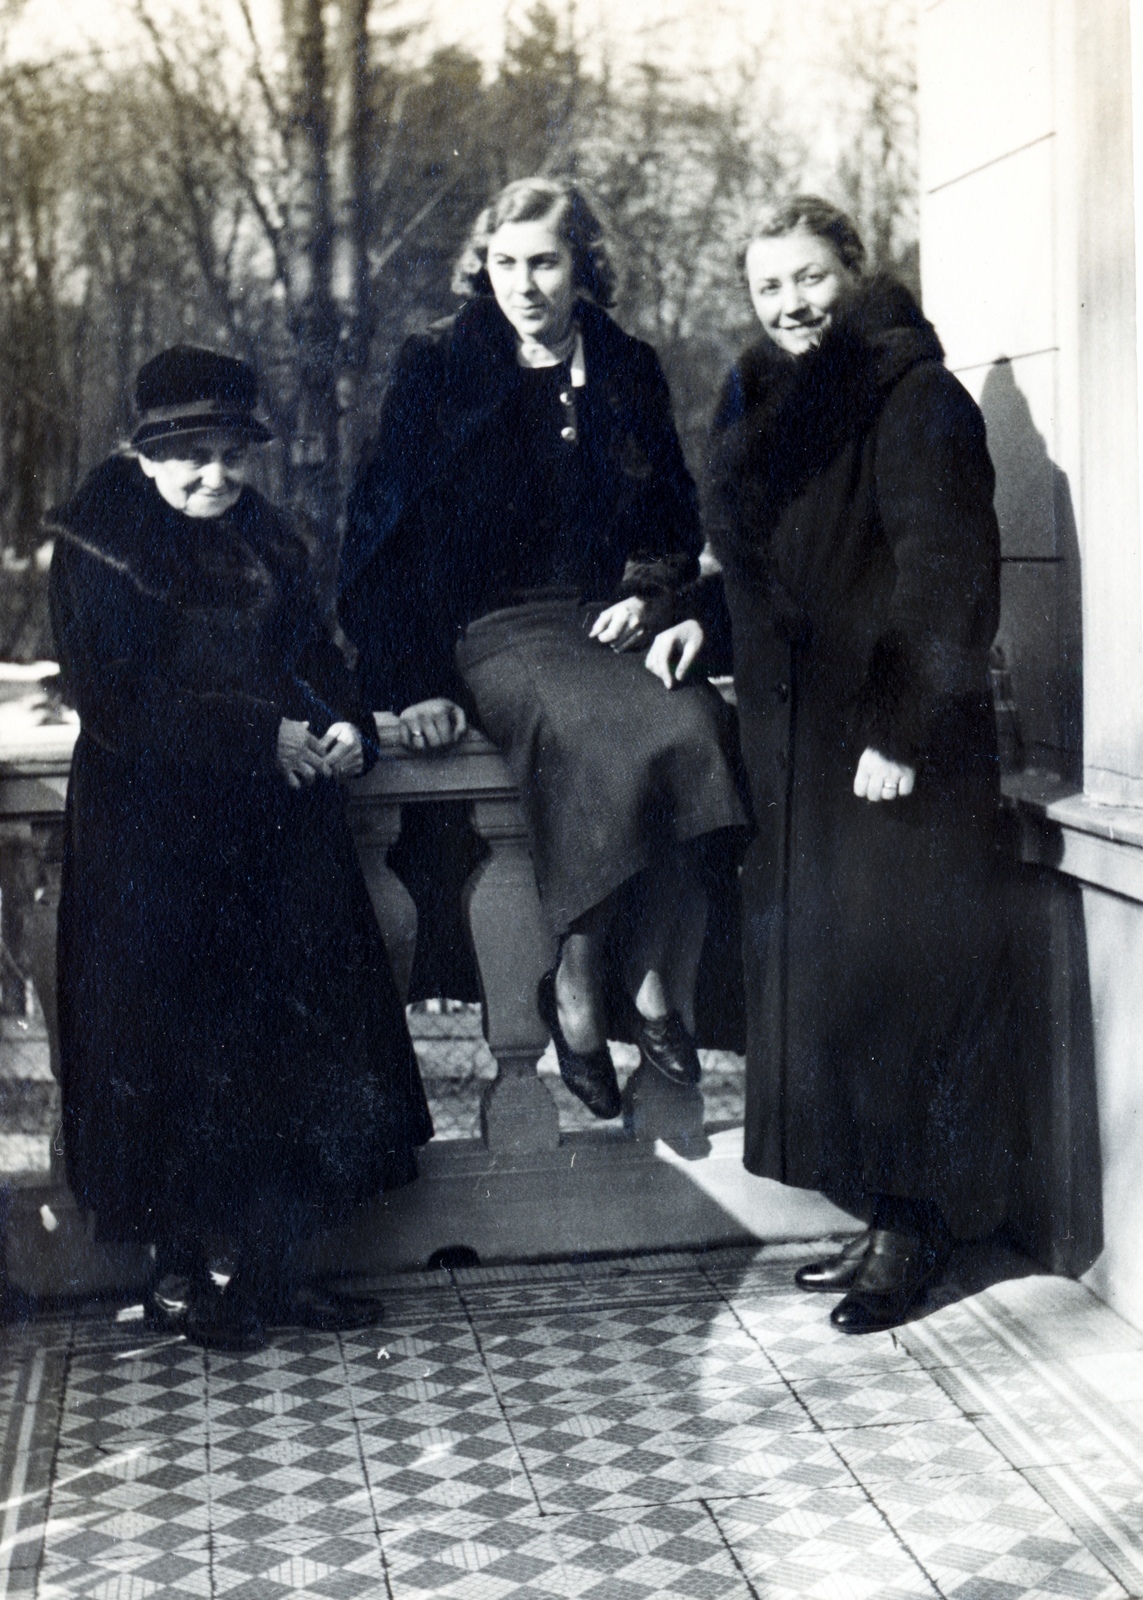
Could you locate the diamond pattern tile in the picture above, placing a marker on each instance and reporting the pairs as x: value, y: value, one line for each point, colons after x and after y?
x: 993, y: 1533
x: 929, y: 1452
x: 668, y: 1551
x: 667, y: 1426
x: 829, y: 1544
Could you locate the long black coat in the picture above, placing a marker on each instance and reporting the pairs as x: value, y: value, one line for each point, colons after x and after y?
x: 852, y: 510
x: 229, y: 1027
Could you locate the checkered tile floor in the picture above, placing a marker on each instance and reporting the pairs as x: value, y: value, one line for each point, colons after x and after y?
x: 676, y: 1426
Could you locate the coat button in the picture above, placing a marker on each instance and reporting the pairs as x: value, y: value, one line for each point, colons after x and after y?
x: 568, y: 434
x: 566, y: 397
x: 781, y: 693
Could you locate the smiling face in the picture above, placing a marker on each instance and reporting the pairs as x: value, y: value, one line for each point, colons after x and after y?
x: 532, y: 275
x: 200, y: 474
x: 797, y: 282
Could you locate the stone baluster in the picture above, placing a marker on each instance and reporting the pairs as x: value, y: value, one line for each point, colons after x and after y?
x: 513, y: 950
x: 375, y: 829
x: 41, y: 922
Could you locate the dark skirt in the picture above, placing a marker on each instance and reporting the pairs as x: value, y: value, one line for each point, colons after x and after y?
x: 611, y: 765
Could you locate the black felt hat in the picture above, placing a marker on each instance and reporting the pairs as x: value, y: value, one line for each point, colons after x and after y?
x: 190, y: 390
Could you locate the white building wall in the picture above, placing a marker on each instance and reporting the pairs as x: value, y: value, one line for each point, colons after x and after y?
x: 1028, y: 251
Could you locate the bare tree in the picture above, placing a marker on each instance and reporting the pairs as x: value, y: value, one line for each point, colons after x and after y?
x: 296, y: 188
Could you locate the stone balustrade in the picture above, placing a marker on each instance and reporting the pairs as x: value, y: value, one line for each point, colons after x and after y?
x: 524, y: 1189
x: 511, y: 944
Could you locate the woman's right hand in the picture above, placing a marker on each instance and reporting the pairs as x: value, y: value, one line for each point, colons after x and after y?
x: 301, y: 758
x: 433, y: 724
x: 881, y: 778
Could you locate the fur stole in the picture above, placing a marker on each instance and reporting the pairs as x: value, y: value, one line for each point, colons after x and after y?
x: 781, y: 419
x: 118, y: 517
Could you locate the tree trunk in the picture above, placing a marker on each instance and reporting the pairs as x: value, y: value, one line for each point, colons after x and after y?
x: 351, y: 171
x: 312, y: 316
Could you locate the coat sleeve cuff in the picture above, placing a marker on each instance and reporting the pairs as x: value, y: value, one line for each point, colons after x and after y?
x: 657, y: 580
x: 895, y: 702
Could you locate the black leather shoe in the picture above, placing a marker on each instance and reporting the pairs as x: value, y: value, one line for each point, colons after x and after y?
x: 225, y: 1319
x: 668, y: 1047
x: 896, y: 1272
x: 165, y: 1307
x: 826, y: 1277
x: 591, y: 1078
x: 311, y: 1306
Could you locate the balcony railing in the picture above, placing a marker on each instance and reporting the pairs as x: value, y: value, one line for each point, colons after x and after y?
x: 524, y: 1188
x: 510, y: 942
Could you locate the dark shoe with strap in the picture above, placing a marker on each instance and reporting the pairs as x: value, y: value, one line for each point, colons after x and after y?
x: 895, y: 1274
x: 165, y: 1308
x: 591, y: 1078
x: 668, y: 1047
x: 838, y: 1272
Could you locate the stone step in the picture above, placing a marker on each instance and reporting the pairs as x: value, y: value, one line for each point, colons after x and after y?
x: 598, y: 1194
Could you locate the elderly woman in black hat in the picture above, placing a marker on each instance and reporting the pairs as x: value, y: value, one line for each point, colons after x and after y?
x: 516, y: 542
x: 236, y: 1067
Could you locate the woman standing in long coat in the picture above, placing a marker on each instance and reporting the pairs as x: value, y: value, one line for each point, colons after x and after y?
x: 236, y: 1066
x: 852, y: 512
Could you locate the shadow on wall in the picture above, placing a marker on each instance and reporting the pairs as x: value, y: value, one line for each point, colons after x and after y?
x: 1041, y: 622
x: 1056, y: 1212
x: 1057, y: 1203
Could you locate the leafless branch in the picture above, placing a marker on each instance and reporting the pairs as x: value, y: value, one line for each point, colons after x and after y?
x: 380, y: 259
x: 274, y: 111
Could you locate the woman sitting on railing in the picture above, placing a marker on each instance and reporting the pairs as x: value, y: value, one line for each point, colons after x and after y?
x: 236, y: 1067
x: 516, y: 540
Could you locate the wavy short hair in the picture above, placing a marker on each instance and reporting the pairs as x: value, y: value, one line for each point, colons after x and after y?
x: 812, y: 214
x: 538, y: 200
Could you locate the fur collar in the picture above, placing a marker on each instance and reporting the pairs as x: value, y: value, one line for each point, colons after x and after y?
x: 118, y: 516
x: 781, y: 420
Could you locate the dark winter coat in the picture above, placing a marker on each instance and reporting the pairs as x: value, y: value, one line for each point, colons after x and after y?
x: 852, y: 512
x: 416, y: 562
x: 415, y: 565
x: 229, y: 1025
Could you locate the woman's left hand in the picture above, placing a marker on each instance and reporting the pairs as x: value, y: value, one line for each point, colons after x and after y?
x: 674, y: 651
x: 621, y: 625
x: 879, y: 778
x: 342, y: 750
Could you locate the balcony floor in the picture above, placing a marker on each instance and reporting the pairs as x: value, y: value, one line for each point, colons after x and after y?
x: 677, y: 1425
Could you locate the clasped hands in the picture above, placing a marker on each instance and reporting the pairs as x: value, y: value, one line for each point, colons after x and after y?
x: 303, y: 757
